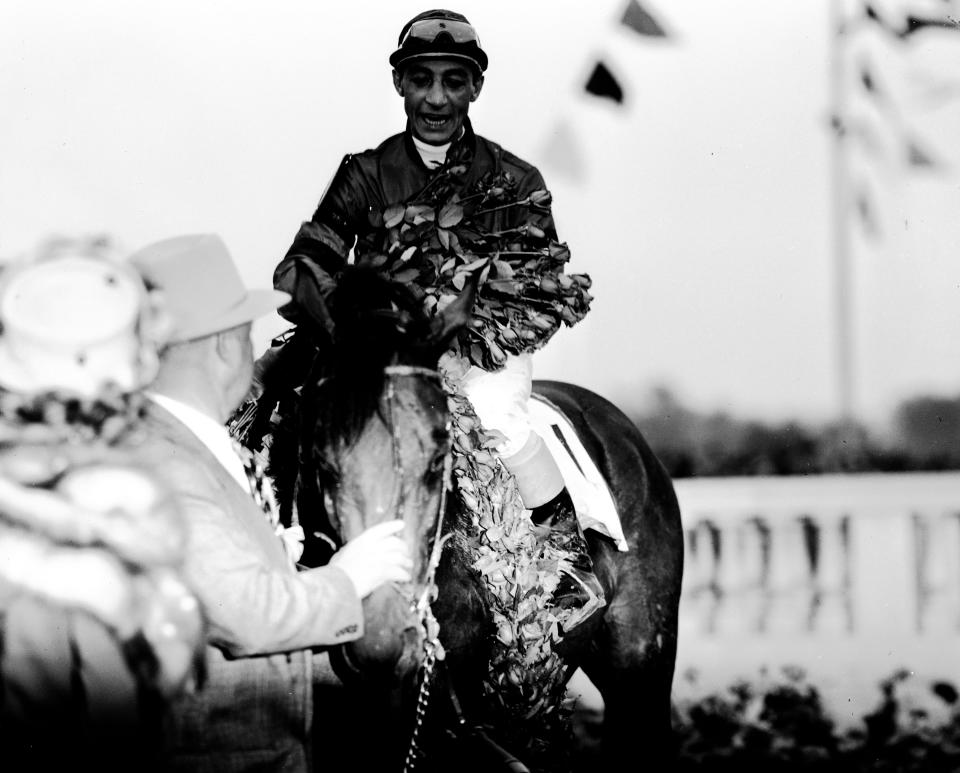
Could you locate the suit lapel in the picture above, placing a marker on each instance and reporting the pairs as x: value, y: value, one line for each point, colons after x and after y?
x: 239, y: 500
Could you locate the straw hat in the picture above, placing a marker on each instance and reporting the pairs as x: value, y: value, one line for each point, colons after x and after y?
x: 201, y: 287
x: 72, y: 322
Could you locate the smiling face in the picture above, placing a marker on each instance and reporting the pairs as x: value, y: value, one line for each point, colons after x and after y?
x: 436, y: 97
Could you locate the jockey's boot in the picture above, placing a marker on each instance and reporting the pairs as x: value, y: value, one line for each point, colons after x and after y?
x: 579, y: 588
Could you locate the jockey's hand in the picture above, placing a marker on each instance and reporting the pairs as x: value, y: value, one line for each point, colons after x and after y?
x: 376, y: 556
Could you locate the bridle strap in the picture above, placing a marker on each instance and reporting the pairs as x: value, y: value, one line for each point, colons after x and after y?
x: 411, y: 370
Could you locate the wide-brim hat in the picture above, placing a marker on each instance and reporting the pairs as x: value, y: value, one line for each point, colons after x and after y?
x: 201, y: 287
x: 439, y: 34
x: 74, y: 323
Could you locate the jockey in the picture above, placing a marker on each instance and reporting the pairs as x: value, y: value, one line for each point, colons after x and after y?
x: 438, y: 70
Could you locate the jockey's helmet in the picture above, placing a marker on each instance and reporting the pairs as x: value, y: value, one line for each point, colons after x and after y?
x: 439, y: 34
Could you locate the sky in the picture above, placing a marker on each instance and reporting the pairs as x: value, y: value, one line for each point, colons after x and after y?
x: 701, y: 207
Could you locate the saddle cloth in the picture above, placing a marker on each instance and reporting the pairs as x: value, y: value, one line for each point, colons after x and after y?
x: 588, y: 490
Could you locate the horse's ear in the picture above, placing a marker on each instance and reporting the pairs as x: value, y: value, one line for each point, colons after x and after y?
x: 445, y: 325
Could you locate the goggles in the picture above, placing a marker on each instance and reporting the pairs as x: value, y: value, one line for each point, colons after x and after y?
x: 428, y: 30
x: 440, y: 38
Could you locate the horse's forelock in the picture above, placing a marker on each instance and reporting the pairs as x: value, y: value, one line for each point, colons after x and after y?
x: 376, y: 323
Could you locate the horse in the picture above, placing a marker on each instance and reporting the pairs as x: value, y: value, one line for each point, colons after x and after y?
x: 369, y: 440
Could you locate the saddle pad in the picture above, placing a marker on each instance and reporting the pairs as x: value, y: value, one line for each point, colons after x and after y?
x: 588, y: 490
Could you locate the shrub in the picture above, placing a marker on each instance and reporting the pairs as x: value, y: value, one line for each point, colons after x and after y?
x: 780, y: 724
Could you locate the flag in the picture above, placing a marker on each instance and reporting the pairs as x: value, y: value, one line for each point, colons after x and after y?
x: 868, y: 81
x: 911, y: 24
x: 562, y: 153
x: 602, y: 83
x: 867, y: 212
x: 637, y: 18
x: 917, y: 156
x: 916, y: 24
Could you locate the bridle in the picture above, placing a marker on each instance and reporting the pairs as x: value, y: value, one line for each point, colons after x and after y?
x: 432, y: 648
x: 418, y: 606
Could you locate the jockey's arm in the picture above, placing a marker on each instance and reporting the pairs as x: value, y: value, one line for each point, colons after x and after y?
x: 320, y: 249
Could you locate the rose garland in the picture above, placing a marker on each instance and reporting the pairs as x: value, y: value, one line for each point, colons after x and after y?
x: 525, y: 680
x: 437, y: 242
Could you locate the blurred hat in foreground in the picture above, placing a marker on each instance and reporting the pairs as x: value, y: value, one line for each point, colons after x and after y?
x: 75, y: 321
x: 201, y: 286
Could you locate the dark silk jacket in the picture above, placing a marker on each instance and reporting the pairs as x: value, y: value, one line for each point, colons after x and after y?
x: 370, y: 182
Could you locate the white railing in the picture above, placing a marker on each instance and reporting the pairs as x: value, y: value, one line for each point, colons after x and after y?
x: 849, y: 576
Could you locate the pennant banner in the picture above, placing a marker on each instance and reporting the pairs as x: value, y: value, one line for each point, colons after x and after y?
x: 637, y: 18
x: 602, y: 83
x: 917, y: 156
x: 562, y: 153
x: 911, y: 24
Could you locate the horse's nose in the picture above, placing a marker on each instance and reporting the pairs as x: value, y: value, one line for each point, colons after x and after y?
x: 391, y: 632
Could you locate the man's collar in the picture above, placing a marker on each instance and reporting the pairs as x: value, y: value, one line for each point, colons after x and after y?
x: 458, y: 147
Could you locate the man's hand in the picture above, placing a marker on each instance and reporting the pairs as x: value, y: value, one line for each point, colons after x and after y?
x: 377, y: 556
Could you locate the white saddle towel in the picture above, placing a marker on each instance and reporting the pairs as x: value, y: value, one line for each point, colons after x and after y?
x: 588, y: 490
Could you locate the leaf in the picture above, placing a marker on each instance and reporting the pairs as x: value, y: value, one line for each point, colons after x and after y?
x: 505, y: 286
x: 494, y: 533
x: 407, y: 275
x: 450, y: 215
x: 393, y: 215
x: 541, y: 198
x: 444, y: 236
x: 559, y: 252
x: 418, y: 213
x: 476, y: 353
x: 407, y: 254
x: 473, y: 265
x: 502, y: 269
x: 374, y: 261
x: 445, y: 300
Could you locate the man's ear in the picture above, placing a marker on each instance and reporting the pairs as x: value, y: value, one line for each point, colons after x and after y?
x: 223, y: 345
x: 398, y: 82
x: 477, y: 85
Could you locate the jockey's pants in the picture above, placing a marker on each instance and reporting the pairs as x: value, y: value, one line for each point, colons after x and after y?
x: 500, y: 400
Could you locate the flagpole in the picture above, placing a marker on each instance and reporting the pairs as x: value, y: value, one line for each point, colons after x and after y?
x: 840, y: 200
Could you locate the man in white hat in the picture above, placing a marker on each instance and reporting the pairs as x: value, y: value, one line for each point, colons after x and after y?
x: 264, y: 616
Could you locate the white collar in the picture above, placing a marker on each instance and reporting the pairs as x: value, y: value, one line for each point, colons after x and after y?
x: 208, y: 431
x: 432, y: 155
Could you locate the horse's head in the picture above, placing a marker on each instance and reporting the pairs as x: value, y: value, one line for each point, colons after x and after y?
x: 381, y: 450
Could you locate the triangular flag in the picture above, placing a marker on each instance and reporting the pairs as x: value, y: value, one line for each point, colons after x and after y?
x: 871, y: 13
x: 637, y: 18
x: 868, y: 217
x: 602, y: 84
x: 868, y: 81
x: 561, y: 153
x: 917, y: 156
x: 916, y: 24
